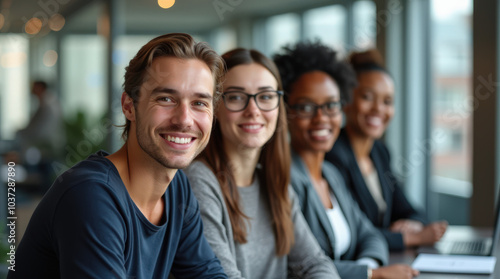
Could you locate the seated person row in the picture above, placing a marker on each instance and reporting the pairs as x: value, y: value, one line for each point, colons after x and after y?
x: 129, y: 190
x: 316, y: 85
x: 364, y: 160
x: 251, y: 217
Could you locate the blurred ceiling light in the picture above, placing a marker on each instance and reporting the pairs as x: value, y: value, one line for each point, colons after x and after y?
x: 2, y: 21
x: 13, y: 59
x: 50, y: 58
x: 165, y: 4
x: 33, y: 26
x: 56, y: 22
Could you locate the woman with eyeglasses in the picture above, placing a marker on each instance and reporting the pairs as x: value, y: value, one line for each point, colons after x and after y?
x: 251, y: 216
x: 365, y: 162
x: 316, y: 85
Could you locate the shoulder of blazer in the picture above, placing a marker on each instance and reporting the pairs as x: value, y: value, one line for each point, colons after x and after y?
x: 382, y: 159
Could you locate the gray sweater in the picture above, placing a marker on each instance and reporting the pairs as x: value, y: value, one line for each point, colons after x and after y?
x: 257, y: 258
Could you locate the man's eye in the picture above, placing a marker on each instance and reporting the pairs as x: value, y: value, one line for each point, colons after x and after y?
x: 200, y: 104
x: 165, y: 99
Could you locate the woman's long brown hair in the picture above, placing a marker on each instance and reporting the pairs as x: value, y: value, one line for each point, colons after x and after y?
x: 273, y: 171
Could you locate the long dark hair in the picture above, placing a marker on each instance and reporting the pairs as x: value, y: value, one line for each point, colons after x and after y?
x: 274, y: 161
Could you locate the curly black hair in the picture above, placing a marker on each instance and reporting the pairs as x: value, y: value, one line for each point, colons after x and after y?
x: 305, y: 57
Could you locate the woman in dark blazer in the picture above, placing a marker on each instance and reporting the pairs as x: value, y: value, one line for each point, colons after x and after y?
x: 364, y: 161
x: 315, y: 85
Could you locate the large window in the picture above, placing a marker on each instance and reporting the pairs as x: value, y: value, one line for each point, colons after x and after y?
x: 452, y: 107
x: 84, y: 96
x: 327, y: 24
x: 84, y: 76
x: 282, y: 30
x: 365, y: 25
x: 14, y: 85
x: 224, y: 39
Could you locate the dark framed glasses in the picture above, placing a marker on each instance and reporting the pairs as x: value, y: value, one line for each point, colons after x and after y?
x: 238, y: 100
x: 308, y: 110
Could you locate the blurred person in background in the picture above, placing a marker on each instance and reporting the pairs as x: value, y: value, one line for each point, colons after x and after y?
x: 42, y: 141
x: 364, y: 160
x: 45, y: 130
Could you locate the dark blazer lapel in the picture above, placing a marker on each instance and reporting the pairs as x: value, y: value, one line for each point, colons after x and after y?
x: 364, y: 197
x: 379, y: 164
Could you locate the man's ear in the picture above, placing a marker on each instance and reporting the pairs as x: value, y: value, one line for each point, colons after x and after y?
x: 128, y: 107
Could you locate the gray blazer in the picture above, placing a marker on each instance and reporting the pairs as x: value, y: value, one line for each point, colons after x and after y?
x: 366, y: 240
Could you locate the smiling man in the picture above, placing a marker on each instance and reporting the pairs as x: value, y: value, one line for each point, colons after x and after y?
x: 131, y: 214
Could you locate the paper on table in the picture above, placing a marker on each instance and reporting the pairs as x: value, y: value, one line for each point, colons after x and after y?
x: 454, y: 264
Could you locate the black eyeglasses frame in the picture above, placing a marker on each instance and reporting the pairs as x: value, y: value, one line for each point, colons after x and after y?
x: 254, y: 96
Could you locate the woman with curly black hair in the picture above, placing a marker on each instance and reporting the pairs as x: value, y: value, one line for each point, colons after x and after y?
x: 316, y: 85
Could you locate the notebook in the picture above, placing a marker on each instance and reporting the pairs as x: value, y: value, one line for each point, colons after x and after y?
x: 454, y: 264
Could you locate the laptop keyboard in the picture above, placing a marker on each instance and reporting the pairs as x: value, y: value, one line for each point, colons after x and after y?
x: 468, y: 248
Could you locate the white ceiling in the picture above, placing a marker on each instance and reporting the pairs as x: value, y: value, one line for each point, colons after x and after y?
x: 145, y: 16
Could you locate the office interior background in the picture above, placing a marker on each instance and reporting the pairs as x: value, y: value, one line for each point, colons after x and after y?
x: 442, y: 54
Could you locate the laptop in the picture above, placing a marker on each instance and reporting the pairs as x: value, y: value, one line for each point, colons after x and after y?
x: 472, y: 247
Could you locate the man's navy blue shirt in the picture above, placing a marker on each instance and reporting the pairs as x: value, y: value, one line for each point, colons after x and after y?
x: 87, y: 226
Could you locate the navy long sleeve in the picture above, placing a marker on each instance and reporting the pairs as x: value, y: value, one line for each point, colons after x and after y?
x: 87, y: 226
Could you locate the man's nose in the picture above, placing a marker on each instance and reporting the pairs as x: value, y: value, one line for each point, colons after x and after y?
x: 182, y: 115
